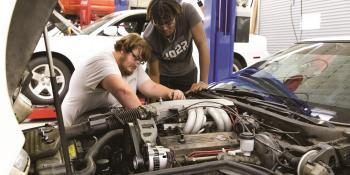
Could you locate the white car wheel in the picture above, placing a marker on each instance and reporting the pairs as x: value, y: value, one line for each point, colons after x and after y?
x: 38, y: 86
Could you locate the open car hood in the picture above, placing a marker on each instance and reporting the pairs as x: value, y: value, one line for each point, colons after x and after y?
x: 27, y: 24
x: 21, y: 26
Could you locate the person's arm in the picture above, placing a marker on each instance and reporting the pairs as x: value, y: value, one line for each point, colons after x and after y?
x: 121, y: 91
x: 154, y: 70
x: 152, y: 89
x: 204, y: 61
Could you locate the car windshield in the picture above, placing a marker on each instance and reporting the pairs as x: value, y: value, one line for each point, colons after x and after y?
x: 315, y: 73
x: 98, y: 23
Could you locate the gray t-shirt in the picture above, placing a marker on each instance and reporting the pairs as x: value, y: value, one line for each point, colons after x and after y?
x: 85, y: 92
x: 175, y: 57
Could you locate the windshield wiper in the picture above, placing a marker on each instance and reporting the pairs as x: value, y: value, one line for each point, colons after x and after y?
x: 264, y: 84
x: 290, y: 113
x: 240, y: 93
x: 281, y: 109
x: 273, y: 91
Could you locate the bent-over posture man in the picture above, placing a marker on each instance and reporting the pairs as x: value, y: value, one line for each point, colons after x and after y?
x: 111, y: 78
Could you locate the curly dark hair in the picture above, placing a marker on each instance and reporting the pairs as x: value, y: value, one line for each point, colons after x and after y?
x: 131, y: 42
x: 163, y: 10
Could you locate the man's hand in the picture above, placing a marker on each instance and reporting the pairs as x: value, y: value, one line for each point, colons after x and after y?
x: 176, y: 95
x: 197, y: 87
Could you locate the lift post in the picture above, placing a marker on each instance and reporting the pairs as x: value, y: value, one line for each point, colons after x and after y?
x: 219, y: 25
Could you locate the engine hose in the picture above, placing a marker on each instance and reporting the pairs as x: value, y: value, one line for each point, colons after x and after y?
x: 119, y: 120
x: 91, y: 154
x: 78, y: 130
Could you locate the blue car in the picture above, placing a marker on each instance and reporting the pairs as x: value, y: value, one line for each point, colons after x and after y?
x: 311, y: 77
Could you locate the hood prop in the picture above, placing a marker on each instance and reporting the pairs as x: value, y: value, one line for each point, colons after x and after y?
x: 64, y: 143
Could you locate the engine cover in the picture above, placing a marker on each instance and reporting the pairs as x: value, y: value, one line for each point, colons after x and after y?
x: 208, y: 141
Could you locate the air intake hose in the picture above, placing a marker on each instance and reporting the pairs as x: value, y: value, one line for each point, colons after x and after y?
x: 110, y: 121
x: 119, y: 120
x: 90, y: 168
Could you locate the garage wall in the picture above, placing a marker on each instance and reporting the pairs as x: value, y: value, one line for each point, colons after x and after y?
x: 275, y: 22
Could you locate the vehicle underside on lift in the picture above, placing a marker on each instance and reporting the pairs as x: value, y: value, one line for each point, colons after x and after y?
x: 210, y: 133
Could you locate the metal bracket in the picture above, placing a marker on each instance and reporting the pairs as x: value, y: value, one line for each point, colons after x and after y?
x: 147, y: 130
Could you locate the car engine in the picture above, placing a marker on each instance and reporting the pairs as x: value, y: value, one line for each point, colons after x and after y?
x: 194, y: 136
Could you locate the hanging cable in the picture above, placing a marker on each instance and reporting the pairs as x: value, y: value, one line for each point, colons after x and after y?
x: 291, y: 18
x: 301, y: 20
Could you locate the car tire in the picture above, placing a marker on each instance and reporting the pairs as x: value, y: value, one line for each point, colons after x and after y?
x: 236, y: 65
x: 37, y: 86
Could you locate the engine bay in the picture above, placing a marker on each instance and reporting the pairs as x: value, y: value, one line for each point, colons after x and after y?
x: 194, y: 136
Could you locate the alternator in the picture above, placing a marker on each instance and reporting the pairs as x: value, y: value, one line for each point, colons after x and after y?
x: 157, y: 157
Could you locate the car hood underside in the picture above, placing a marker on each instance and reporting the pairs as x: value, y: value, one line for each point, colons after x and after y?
x: 28, y: 21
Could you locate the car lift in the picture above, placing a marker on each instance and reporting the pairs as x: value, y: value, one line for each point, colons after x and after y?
x: 219, y: 22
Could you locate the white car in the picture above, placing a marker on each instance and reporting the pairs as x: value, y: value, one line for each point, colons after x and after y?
x: 69, y: 51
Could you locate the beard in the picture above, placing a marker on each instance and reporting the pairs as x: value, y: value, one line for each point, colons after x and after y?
x: 122, y: 67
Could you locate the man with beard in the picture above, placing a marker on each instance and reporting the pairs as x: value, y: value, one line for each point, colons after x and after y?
x: 112, y: 78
